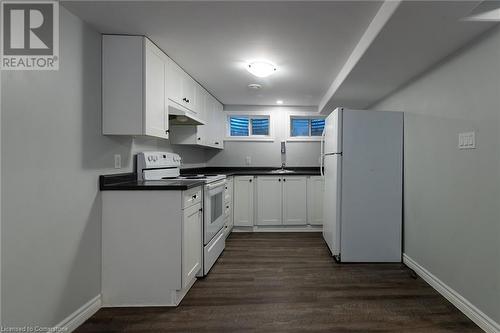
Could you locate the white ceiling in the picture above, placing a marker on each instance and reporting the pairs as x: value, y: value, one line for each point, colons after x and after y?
x: 309, y: 41
x: 417, y: 36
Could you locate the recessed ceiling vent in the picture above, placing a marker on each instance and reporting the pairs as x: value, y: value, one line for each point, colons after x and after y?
x: 254, y: 86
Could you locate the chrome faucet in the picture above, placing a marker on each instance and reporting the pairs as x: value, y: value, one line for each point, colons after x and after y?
x: 283, y: 155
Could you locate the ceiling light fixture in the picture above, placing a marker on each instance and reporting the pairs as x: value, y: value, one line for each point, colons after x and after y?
x: 261, y: 68
x: 279, y: 101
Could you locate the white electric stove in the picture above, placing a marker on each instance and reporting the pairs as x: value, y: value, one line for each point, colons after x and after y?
x: 164, y: 166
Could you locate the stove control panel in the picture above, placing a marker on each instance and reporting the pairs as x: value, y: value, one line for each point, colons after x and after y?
x: 157, y: 160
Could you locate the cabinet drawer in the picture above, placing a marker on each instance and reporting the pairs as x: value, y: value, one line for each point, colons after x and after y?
x: 214, y: 249
x: 191, y: 197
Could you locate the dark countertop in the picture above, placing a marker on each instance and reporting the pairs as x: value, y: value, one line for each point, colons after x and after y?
x: 253, y: 171
x: 129, y: 182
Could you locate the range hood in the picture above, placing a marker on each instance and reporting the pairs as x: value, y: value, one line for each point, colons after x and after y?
x: 177, y: 115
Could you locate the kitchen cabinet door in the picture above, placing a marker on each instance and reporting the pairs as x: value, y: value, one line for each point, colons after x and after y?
x: 315, y: 193
x: 134, y: 88
x: 155, y: 102
x: 220, y: 125
x: 269, y: 200
x: 204, y: 132
x: 189, y: 92
x: 295, y: 200
x: 181, y: 87
x: 199, y: 106
x: 175, y: 79
x: 191, y: 243
x: 243, y: 204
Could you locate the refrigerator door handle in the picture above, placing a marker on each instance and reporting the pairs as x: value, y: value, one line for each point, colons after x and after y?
x: 322, y: 155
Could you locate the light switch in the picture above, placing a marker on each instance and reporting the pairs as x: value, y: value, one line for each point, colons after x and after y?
x: 467, y: 140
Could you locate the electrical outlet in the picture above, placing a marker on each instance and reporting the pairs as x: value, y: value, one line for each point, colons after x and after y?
x: 248, y: 160
x: 118, y: 161
x: 467, y: 140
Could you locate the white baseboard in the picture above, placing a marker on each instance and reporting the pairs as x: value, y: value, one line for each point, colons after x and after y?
x: 307, y: 228
x: 78, y: 317
x: 471, y: 311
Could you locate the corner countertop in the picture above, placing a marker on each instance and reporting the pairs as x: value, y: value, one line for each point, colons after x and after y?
x: 253, y: 171
x: 129, y: 182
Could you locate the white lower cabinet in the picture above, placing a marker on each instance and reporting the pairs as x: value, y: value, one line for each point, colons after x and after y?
x: 269, y: 201
x: 191, y: 243
x: 295, y: 200
x: 315, y: 193
x: 243, y: 201
x: 151, y: 246
x: 281, y: 200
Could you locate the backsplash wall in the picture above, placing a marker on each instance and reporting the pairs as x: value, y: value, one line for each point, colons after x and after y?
x: 267, y: 153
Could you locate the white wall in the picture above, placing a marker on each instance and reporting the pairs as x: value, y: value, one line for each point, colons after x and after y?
x: 52, y: 154
x: 452, y: 197
x: 268, y: 153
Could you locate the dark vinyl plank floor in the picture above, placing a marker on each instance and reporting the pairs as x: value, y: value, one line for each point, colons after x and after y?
x: 288, y: 282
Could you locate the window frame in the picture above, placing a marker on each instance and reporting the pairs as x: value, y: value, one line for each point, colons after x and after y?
x: 289, y: 136
x: 250, y: 137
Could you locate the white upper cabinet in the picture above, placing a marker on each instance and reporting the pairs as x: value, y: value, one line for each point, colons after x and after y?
x: 220, y: 125
x: 139, y: 89
x: 175, y: 79
x: 295, y: 200
x: 216, y: 123
x: 315, y: 190
x: 199, y: 99
x: 156, y: 115
x: 269, y: 201
x: 134, y: 87
x: 209, y: 135
x: 181, y: 88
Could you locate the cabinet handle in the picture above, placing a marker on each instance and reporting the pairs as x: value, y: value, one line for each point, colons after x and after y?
x: 250, y: 180
x: 199, y: 138
x: 167, y: 131
x: 201, y: 209
x: 227, y: 206
x: 184, y: 99
x: 216, y: 142
x: 279, y: 179
x: 284, y: 179
x: 195, y: 196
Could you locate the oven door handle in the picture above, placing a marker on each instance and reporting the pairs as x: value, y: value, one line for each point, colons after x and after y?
x: 215, y: 185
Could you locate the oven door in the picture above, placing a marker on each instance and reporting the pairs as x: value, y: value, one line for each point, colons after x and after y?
x: 214, y: 210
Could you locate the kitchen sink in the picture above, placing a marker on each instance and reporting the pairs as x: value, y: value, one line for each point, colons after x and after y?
x: 282, y: 171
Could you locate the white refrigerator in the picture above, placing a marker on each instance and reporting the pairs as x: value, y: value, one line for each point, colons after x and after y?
x: 362, y: 159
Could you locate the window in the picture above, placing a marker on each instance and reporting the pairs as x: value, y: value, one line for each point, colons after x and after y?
x: 239, y: 126
x: 306, y: 127
x: 249, y: 126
